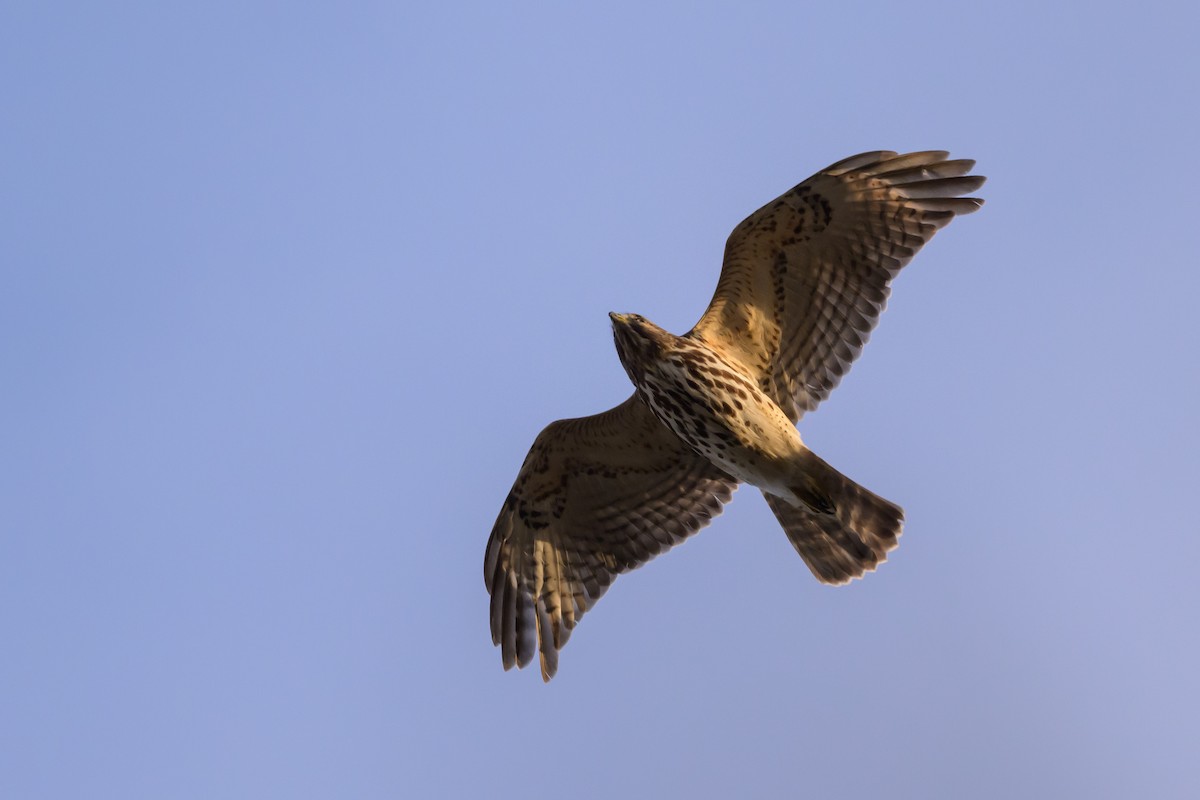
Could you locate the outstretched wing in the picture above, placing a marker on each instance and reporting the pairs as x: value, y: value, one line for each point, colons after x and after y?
x: 596, y: 496
x: 806, y: 277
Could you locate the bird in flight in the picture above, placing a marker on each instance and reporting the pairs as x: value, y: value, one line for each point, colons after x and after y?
x: 803, y: 282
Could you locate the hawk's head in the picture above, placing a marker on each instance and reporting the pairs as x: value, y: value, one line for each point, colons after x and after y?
x: 639, y: 342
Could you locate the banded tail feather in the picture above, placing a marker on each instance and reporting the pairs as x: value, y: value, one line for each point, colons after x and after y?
x: 841, y: 529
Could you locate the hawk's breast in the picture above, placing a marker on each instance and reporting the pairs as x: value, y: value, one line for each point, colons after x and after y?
x: 720, y: 413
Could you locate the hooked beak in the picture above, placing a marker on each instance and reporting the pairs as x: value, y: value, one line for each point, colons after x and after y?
x: 617, y: 318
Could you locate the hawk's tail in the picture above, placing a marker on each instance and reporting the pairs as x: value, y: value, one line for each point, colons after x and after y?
x: 840, y: 529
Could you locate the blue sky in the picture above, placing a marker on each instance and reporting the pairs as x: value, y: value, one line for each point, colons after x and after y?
x: 287, y: 290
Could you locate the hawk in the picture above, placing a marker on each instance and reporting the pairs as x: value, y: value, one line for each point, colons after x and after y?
x: 803, y: 282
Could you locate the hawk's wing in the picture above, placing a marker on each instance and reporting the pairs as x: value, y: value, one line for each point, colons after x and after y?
x: 596, y: 496
x: 806, y: 277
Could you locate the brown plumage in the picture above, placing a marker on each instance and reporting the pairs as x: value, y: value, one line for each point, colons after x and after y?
x: 804, y: 281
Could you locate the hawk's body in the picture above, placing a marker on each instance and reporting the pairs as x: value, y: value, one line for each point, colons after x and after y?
x: 804, y: 281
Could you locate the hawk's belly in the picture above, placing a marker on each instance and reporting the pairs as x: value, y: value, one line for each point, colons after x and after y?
x: 723, y: 416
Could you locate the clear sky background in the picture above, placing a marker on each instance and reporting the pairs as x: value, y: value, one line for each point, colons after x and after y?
x: 287, y: 290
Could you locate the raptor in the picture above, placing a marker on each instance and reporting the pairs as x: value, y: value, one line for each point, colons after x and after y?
x: 802, y: 285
